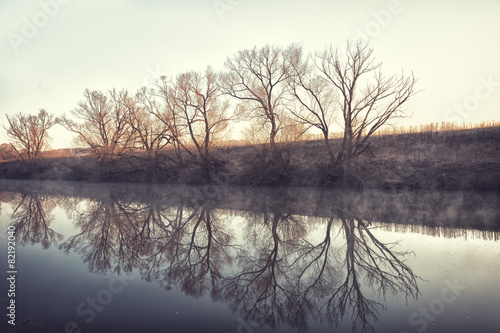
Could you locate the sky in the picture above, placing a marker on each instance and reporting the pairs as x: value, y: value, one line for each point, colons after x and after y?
x: 52, y: 50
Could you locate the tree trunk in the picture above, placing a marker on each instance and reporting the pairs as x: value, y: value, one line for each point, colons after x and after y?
x: 272, y: 136
x: 329, y: 148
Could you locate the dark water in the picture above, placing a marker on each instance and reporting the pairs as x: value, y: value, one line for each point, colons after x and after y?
x: 156, y: 258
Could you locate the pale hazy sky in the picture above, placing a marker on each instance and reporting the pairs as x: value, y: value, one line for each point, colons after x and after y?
x: 52, y: 50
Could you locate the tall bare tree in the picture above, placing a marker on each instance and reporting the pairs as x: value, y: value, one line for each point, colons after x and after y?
x: 196, y: 114
x: 149, y: 134
x: 205, y: 113
x: 168, y: 112
x: 28, y: 133
x: 367, y: 99
x: 315, y: 107
x: 104, y: 124
x: 257, y: 78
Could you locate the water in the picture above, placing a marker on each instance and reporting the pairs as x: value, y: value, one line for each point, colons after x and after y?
x: 157, y: 258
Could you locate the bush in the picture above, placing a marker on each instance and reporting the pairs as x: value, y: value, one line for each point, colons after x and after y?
x: 263, y: 166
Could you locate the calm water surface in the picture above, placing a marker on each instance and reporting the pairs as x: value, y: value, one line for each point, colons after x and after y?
x: 157, y: 258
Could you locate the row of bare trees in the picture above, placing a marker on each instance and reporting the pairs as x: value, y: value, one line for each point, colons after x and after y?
x: 273, y: 87
x: 187, y: 114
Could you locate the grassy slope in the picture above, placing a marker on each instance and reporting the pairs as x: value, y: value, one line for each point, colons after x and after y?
x: 460, y: 159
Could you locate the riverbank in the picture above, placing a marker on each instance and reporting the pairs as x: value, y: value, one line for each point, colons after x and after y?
x: 459, y: 159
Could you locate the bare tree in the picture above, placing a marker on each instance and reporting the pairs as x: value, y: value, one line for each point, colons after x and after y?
x: 367, y: 99
x: 105, y: 127
x: 167, y: 111
x: 29, y: 133
x: 257, y: 78
x: 196, y: 115
x: 315, y: 107
x: 149, y: 134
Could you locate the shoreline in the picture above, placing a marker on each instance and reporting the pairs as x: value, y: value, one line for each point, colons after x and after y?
x: 449, y: 160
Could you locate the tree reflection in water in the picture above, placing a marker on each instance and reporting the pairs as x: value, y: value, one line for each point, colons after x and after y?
x: 288, y: 269
x: 105, y: 237
x: 32, y: 218
x: 364, y: 263
x: 262, y: 288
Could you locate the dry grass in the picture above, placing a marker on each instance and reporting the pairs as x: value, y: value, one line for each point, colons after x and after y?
x: 428, y: 158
